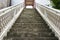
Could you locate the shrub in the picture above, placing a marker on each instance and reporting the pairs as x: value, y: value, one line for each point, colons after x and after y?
x: 56, y: 4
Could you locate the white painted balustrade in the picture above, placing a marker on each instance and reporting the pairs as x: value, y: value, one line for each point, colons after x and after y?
x: 8, y: 16
x: 51, y: 16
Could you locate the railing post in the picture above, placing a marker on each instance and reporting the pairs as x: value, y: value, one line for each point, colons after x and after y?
x: 15, y: 11
x: 45, y: 13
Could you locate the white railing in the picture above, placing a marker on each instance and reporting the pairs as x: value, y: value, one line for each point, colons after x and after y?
x: 8, y: 16
x: 51, y: 16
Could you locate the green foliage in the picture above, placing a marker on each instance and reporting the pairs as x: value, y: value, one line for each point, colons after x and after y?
x: 56, y: 4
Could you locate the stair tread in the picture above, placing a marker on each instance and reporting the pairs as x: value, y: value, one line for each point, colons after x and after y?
x: 29, y: 38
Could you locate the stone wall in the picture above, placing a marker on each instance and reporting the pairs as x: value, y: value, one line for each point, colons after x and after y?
x: 1, y: 5
x: 14, y: 2
x: 4, y: 3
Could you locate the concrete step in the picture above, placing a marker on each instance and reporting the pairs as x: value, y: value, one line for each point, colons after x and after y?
x: 31, y: 34
x: 30, y: 38
x: 30, y: 30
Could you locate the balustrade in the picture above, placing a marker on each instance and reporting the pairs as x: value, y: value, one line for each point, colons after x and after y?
x: 7, y: 14
x: 51, y: 16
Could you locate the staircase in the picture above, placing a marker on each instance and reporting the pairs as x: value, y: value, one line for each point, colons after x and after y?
x: 30, y: 26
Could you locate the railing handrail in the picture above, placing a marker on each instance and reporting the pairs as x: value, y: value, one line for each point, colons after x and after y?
x: 50, y: 8
x: 3, y: 10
